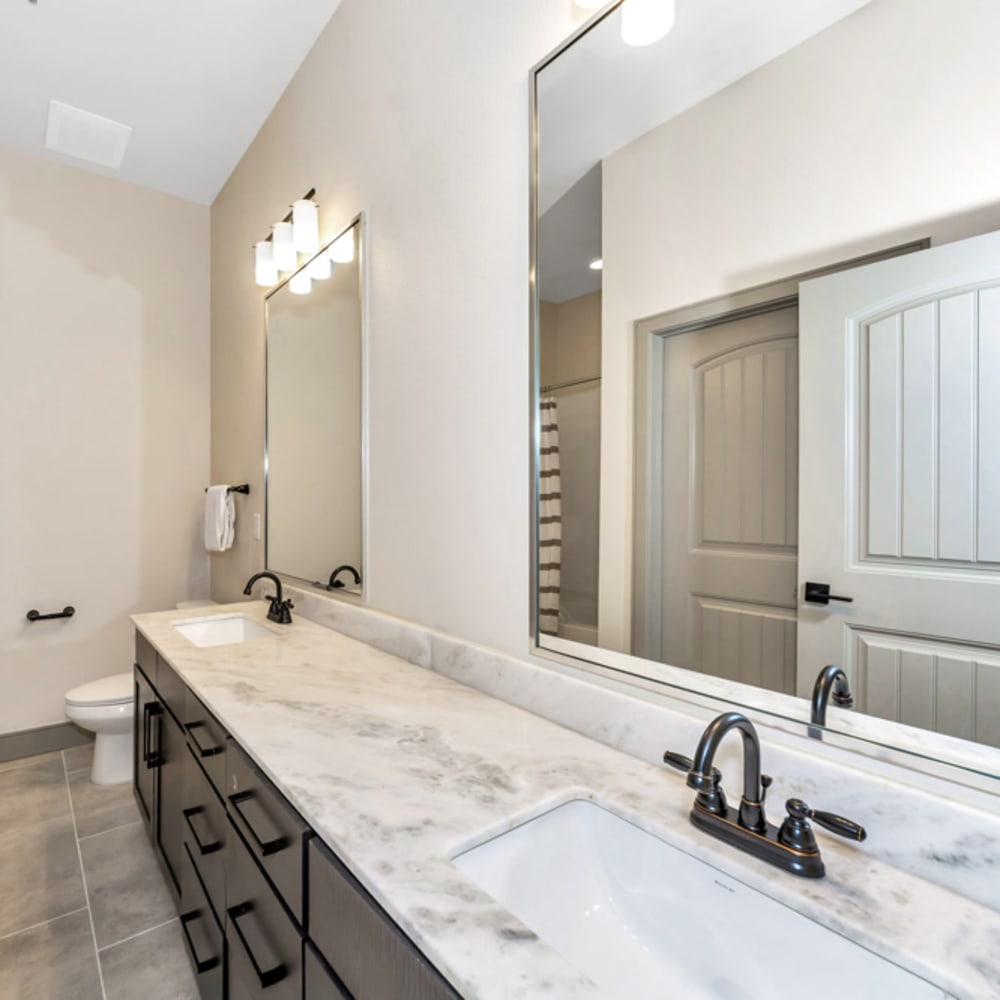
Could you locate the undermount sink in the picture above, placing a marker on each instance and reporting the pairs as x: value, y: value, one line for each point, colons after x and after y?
x: 644, y: 920
x: 222, y: 630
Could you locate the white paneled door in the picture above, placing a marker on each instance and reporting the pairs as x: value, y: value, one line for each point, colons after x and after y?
x: 728, y: 499
x: 899, y: 464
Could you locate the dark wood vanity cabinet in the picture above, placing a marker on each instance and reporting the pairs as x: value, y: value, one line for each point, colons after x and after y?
x: 267, y: 912
x: 158, y: 767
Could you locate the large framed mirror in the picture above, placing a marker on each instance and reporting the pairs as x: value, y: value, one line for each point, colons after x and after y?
x: 315, y: 470
x: 766, y: 279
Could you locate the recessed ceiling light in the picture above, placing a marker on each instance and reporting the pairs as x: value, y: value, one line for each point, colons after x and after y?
x: 597, y: 265
x: 86, y: 136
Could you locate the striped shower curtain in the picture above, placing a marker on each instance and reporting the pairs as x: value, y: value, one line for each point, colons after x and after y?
x: 549, y: 520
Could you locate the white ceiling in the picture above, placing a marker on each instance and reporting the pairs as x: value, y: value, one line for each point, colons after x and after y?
x: 194, y: 80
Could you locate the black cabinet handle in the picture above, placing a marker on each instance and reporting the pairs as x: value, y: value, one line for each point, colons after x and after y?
x: 203, y: 751
x: 819, y: 593
x: 150, y: 757
x: 277, y: 970
x: 266, y: 846
x: 201, y: 964
x: 213, y: 845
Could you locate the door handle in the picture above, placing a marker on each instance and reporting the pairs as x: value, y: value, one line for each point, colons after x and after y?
x: 819, y: 593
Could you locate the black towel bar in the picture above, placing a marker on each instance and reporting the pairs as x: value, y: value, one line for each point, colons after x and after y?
x: 245, y: 489
x: 34, y: 616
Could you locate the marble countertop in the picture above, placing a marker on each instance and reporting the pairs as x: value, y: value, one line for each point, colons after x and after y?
x: 399, y: 769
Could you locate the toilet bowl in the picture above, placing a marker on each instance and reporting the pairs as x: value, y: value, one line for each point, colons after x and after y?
x: 106, y: 708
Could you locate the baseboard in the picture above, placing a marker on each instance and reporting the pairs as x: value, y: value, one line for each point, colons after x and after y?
x: 29, y: 742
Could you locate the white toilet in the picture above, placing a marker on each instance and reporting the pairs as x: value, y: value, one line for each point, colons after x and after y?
x: 106, y: 708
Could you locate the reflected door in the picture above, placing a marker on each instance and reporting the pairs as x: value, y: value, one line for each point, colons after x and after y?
x: 900, y: 365
x: 728, y: 500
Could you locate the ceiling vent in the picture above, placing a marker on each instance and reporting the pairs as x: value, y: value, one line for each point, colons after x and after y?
x: 86, y: 136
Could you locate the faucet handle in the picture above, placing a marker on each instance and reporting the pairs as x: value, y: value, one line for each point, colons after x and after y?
x: 677, y: 760
x: 682, y: 763
x: 843, y: 827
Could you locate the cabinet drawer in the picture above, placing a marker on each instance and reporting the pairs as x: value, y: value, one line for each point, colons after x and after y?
x: 207, y: 739
x: 265, y: 948
x: 321, y: 984
x: 171, y: 688
x: 202, y: 935
x: 145, y: 656
x: 371, y: 955
x: 204, y: 833
x: 274, y: 832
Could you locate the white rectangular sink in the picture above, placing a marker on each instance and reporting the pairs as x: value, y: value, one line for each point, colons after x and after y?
x: 222, y: 630
x: 645, y: 921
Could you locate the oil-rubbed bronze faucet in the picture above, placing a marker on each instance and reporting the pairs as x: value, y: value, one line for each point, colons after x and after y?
x: 280, y: 611
x: 791, y: 846
x: 831, y: 685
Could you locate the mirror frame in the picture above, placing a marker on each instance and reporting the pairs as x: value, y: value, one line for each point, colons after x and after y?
x: 359, y: 220
x: 933, y: 753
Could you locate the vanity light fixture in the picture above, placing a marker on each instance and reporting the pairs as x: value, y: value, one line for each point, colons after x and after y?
x: 305, y: 225
x: 286, y: 257
x: 597, y: 264
x: 646, y: 21
x: 320, y: 268
x: 301, y: 283
x: 589, y: 4
x: 342, y: 250
x: 297, y: 232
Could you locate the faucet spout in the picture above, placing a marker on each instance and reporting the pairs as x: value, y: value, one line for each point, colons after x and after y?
x: 751, y: 813
x: 831, y: 683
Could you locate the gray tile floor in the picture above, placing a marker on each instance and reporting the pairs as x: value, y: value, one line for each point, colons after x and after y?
x: 84, y: 911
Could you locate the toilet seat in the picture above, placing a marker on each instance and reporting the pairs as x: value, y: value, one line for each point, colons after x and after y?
x: 114, y: 690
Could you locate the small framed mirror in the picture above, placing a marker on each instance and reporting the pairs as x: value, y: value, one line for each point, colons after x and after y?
x: 315, y: 470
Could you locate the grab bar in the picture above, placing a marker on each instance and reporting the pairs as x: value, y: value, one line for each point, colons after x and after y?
x: 34, y: 616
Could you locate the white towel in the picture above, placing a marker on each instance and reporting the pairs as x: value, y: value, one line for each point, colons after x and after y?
x: 220, y: 519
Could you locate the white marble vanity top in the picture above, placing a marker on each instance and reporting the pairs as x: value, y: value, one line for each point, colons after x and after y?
x: 398, y: 769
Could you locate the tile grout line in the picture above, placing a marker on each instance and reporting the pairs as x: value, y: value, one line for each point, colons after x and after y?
x: 41, y: 923
x: 111, y: 829
x: 83, y: 876
x: 138, y: 934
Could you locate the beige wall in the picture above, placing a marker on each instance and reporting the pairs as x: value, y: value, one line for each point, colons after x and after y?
x: 104, y: 387
x: 570, y: 349
x: 773, y: 177
x: 418, y: 115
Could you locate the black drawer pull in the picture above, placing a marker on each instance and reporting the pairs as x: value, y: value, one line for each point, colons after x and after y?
x: 150, y: 757
x: 212, y: 846
x: 266, y: 846
x: 202, y: 751
x: 267, y: 977
x: 201, y: 965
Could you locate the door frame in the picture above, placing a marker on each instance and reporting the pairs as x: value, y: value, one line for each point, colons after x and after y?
x: 649, y: 336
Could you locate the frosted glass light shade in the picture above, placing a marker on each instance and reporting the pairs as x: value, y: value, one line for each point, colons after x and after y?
x: 320, y: 268
x: 589, y: 4
x: 646, y: 21
x: 264, y: 269
x: 305, y: 225
x: 286, y: 257
x: 342, y: 251
x: 301, y: 283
